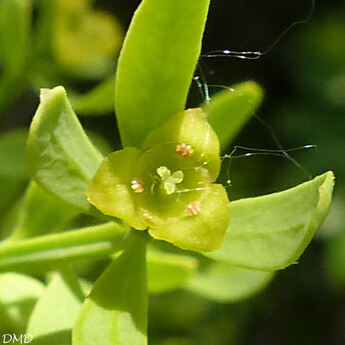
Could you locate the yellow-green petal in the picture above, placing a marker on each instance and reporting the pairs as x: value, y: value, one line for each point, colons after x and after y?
x: 85, y: 41
x: 110, y: 190
x: 203, y: 231
x: 190, y: 127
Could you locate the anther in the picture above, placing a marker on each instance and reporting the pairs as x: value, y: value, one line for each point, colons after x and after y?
x: 193, y: 208
x: 137, y: 185
x: 184, y: 150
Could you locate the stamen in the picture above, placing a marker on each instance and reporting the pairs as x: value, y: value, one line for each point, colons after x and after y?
x: 137, y: 185
x: 193, y: 208
x: 184, y: 150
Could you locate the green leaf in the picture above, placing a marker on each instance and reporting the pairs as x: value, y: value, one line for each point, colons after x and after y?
x: 44, y: 31
x: 156, y: 65
x: 18, y: 295
x: 59, y: 305
x: 167, y: 271
x: 10, y: 89
x: 54, y: 338
x: 61, y: 158
x: 15, y: 25
x: 12, y: 154
x: 115, y: 313
x: 13, y: 175
x: 223, y: 282
x: 335, y: 259
x: 98, y: 101
x: 41, y: 213
x: 271, y: 232
x: 201, y: 232
x: 45, y: 252
x: 229, y: 110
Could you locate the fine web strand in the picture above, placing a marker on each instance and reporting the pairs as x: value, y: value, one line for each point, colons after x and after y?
x: 257, y: 54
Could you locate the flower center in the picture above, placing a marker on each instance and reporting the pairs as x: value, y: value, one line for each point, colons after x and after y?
x: 169, y: 180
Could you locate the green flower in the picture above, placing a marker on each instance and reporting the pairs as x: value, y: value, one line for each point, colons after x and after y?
x: 168, y: 186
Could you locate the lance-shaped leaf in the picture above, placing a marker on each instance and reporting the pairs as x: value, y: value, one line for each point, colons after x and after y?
x: 43, y: 253
x: 58, y: 307
x: 13, y: 175
x: 15, y: 25
x: 115, y: 313
x: 18, y: 295
x: 271, y: 232
x: 41, y: 213
x: 15, y: 22
x: 229, y: 110
x: 166, y: 271
x: 44, y: 31
x: 98, y: 101
x: 223, y: 282
x: 156, y: 65
x: 335, y: 259
x: 61, y: 158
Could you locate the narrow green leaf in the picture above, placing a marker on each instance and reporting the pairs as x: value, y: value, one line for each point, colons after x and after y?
x: 335, y: 260
x: 10, y: 89
x: 15, y: 25
x: 59, y: 305
x: 115, y: 313
x: 271, y: 232
x: 167, y: 271
x: 15, y: 22
x: 229, y: 110
x: 44, y: 30
x: 12, y: 154
x: 13, y: 175
x: 98, y: 101
x: 45, y: 252
x: 156, y: 65
x: 101, y: 143
x: 18, y: 295
x: 54, y: 338
x: 61, y: 158
x: 41, y: 213
x: 223, y: 282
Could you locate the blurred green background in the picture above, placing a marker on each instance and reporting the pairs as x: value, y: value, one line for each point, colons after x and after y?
x: 304, y: 82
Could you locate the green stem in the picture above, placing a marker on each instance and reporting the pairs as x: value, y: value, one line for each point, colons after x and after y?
x: 44, y: 252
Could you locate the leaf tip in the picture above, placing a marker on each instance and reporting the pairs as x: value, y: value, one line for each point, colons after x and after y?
x: 47, y: 94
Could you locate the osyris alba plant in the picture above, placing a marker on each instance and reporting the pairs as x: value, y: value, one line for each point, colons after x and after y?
x: 161, y: 186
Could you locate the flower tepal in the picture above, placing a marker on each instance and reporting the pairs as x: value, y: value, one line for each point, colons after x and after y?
x: 168, y: 185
